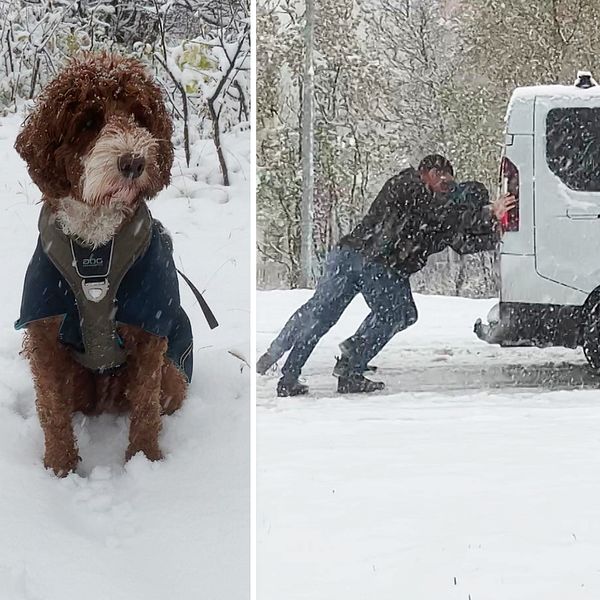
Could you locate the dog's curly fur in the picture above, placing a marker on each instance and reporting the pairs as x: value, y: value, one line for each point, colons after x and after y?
x: 98, y: 108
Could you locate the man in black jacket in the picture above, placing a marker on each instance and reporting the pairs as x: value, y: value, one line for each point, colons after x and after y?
x: 416, y: 214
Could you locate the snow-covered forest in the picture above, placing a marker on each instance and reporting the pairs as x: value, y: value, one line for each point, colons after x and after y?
x: 393, y: 81
x: 199, y: 51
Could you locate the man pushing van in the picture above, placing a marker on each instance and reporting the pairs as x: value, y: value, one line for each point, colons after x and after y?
x: 417, y: 213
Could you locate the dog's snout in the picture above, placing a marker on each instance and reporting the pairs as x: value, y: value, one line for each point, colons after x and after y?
x: 131, y: 165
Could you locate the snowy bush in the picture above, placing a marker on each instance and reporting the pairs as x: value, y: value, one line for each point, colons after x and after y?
x: 198, y: 50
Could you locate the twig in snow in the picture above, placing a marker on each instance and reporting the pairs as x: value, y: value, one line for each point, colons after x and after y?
x: 239, y: 357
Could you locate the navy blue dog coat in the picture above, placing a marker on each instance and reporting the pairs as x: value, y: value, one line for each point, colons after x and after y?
x: 147, y: 297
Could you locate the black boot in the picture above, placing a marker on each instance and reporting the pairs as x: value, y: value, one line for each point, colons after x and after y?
x: 342, y: 367
x: 264, y: 363
x: 290, y: 387
x: 356, y: 383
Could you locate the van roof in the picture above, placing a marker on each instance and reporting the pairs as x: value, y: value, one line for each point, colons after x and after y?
x: 554, y: 91
x: 520, y: 107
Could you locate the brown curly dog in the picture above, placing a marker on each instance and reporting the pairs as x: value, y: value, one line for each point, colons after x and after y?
x: 98, y: 145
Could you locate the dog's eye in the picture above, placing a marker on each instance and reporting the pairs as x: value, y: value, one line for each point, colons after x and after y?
x: 141, y: 118
x: 91, y: 122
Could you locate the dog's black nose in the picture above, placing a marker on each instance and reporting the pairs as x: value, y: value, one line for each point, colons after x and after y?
x: 131, y: 165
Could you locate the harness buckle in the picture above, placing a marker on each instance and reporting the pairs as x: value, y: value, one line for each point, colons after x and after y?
x: 95, y: 291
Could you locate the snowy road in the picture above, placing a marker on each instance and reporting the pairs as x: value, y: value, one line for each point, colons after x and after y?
x: 474, y: 474
x: 445, y: 378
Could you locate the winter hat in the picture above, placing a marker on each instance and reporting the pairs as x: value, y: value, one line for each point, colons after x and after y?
x: 471, y: 193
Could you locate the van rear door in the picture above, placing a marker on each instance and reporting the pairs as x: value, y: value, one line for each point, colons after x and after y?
x: 567, y: 188
x: 516, y: 173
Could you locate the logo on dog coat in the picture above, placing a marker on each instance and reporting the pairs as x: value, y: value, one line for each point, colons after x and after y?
x: 93, y: 262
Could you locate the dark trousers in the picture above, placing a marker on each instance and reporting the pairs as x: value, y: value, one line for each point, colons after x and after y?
x: 347, y: 274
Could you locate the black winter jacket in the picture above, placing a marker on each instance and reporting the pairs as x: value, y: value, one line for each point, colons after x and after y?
x: 407, y: 223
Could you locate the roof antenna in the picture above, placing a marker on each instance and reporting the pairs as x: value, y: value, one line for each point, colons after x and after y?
x: 585, y: 80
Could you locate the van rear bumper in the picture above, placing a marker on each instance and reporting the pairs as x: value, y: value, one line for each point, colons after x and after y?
x: 523, y: 324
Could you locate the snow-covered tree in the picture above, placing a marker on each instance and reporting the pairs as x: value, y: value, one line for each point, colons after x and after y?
x: 341, y: 156
x: 199, y: 50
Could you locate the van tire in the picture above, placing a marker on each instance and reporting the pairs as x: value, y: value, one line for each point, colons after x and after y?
x: 591, y: 334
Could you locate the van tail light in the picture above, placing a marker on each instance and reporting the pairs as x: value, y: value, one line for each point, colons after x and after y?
x: 509, y: 178
x: 510, y: 220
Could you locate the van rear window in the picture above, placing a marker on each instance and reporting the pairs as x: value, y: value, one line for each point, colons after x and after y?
x: 573, y: 147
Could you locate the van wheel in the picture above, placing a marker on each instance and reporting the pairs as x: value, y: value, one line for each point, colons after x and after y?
x: 591, y: 335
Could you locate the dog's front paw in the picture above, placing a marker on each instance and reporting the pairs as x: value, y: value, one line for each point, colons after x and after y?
x: 61, y: 462
x: 152, y: 452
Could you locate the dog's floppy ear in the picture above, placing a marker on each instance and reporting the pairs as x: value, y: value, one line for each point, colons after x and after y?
x: 161, y: 126
x: 37, y: 144
x: 163, y: 130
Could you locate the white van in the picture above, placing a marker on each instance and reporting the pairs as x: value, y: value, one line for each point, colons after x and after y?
x: 550, y: 253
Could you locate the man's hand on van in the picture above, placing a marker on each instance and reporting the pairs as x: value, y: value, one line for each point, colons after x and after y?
x: 503, y: 204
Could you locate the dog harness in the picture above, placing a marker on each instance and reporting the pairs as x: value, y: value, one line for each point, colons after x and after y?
x: 131, y: 280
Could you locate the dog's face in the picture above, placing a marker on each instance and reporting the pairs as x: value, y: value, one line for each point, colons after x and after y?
x: 99, y: 134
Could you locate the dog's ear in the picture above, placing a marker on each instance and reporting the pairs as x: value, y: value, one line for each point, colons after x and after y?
x: 161, y: 125
x: 140, y: 84
x: 37, y: 143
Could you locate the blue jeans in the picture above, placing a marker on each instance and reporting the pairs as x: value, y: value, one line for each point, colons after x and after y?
x: 347, y: 274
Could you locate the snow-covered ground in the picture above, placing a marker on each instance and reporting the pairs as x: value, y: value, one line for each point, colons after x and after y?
x: 473, y: 475
x: 179, y: 528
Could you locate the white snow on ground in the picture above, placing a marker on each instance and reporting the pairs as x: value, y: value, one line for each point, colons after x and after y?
x: 473, y: 475
x: 178, y: 528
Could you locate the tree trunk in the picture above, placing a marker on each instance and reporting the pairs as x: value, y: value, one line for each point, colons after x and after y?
x: 217, y: 140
